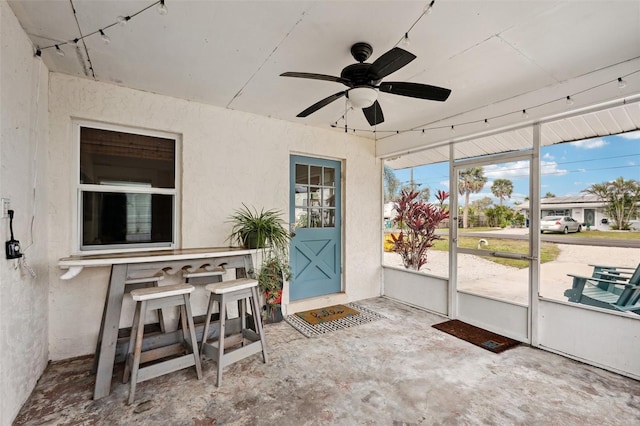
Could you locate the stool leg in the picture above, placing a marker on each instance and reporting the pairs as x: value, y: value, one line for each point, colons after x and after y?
x: 160, y: 314
x: 207, y: 321
x: 192, y: 335
x: 132, y: 340
x: 222, y: 306
x: 138, y: 350
x: 183, y: 322
x: 258, y: 323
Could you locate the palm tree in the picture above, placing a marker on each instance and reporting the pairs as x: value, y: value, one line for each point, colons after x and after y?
x: 391, y: 184
x: 502, y: 188
x: 470, y: 181
x: 622, y: 198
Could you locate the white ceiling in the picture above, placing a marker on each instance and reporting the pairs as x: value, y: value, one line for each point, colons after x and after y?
x: 497, y: 57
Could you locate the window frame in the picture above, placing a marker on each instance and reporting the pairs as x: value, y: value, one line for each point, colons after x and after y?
x: 80, y: 188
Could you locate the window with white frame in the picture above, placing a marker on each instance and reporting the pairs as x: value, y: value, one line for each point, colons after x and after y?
x: 127, y: 189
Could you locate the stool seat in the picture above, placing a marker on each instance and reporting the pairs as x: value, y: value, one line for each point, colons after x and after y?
x: 155, y: 278
x: 231, y: 286
x: 151, y: 293
x: 214, y: 273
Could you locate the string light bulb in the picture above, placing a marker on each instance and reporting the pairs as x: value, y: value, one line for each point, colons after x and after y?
x: 406, y: 40
x: 486, y: 122
x: 122, y: 20
x: 429, y: 8
x: 59, y: 51
x: 73, y: 42
x: 525, y: 114
x: 105, y: 37
x: 38, y: 53
x: 569, y: 100
x: 453, y: 129
x: 621, y: 83
x: 162, y: 8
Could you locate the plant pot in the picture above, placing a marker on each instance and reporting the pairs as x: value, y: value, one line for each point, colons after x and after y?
x: 272, y: 313
x: 253, y: 241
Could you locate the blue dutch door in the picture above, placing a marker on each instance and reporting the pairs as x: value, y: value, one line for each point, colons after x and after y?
x: 315, y: 212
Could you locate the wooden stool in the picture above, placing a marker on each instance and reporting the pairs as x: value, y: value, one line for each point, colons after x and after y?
x: 223, y: 293
x: 156, y: 298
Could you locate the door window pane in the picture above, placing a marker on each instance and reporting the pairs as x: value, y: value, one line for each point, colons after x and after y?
x: 302, y: 174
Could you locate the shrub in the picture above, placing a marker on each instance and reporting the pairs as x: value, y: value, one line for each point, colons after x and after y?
x: 420, y: 220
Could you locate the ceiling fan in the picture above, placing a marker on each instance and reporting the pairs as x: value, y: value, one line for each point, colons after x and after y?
x: 364, y: 81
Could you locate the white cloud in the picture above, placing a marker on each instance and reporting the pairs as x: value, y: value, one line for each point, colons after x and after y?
x: 511, y: 171
x: 630, y: 135
x: 444, y: 183
x: 582, y: 170
x: 590, y: 143
x: 547, y: 156
x: 551, y: 168
x: 631, y: 163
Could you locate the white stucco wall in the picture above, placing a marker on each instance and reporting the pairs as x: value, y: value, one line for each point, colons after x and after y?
x: 229, y: 157
x: 23, y: 144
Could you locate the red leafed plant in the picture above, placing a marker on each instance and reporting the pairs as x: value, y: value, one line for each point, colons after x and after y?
x: 418, y: 221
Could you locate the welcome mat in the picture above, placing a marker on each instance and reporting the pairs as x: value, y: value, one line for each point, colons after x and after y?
x: 317, y: 322
x: 478, y: 336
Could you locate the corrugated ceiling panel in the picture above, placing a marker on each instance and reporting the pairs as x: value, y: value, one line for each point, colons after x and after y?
x: 616, y: 120
x: 610, y: 123
x: 623, y: 119
x: 595, y: 123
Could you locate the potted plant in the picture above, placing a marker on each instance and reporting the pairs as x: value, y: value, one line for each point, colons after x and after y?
x: 271, y: 276
x: 265, y: 230
x: 258, y: 230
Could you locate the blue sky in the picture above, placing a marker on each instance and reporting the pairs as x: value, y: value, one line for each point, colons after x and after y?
x: 566, y: 169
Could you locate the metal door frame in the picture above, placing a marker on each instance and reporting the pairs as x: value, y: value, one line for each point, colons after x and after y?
x: 533, y: 157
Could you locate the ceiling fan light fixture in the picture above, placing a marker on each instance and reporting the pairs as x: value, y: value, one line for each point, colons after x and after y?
x: 362, y: 97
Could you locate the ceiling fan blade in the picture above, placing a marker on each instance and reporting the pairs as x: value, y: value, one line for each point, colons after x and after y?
x: 374, y: 114
x: 326, y: 101
x: 416, y: 90
x: 313, y: 76
x: 390, y: 62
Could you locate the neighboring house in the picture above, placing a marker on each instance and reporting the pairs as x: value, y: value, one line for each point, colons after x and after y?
x: 587, y: 209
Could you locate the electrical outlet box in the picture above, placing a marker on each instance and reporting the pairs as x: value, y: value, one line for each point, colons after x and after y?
x: 6, y: 206
x: 12, y: 248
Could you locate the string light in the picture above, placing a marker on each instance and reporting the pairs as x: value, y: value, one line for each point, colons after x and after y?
x: 59, y: 51
x: 162, y: 9
x: 429, y: 8
x: 525, y: 114
x: 104, y: 37
x: 569, y: 100
x: 453, y: 129
x: 621, y: 83
x: 406, y: 41
x: 122, y: 20
x: 486, y: 122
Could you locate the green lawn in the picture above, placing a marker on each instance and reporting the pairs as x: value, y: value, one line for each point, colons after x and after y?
x: 548, y: 251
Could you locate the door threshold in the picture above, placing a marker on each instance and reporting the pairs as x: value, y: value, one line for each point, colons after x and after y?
x: 315, y: 303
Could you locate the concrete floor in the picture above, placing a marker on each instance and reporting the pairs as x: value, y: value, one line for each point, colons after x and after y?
x: 390, y: 372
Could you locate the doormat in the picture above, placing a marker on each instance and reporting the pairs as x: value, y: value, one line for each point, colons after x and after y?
x: 478, y: 336
x: 317, y: 322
